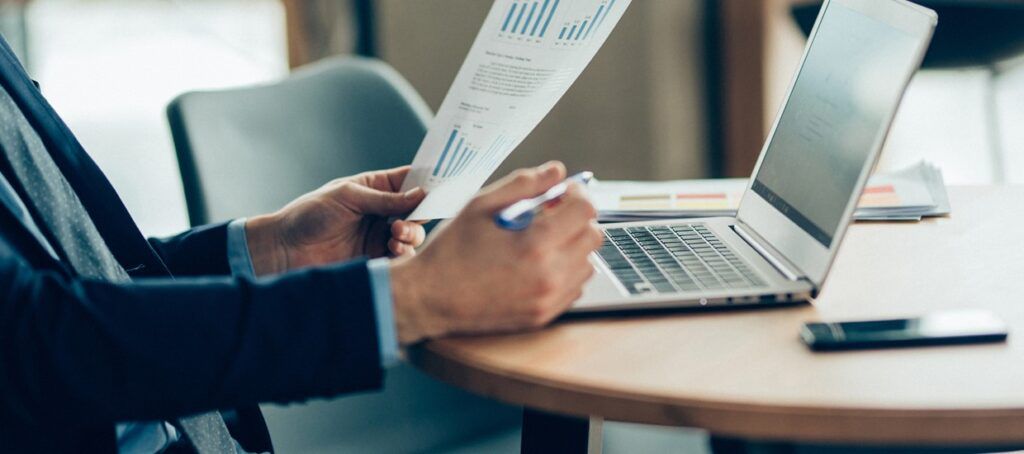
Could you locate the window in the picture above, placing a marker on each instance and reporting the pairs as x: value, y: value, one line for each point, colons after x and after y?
x: 110, y: 68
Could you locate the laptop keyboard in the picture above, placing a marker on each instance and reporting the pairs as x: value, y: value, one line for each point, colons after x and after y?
x: 671, y: 259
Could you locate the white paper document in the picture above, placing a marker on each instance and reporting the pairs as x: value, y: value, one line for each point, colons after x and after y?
x: 525, y: 57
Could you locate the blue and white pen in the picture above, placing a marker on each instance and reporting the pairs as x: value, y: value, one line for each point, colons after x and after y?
x: 519, y: 215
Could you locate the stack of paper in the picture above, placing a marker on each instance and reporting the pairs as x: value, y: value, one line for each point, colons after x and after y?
x: 906, y: 195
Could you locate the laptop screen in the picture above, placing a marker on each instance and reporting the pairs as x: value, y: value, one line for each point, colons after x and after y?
x: 851, y: 78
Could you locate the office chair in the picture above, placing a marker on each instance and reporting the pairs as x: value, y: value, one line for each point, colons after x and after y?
x: 250, y: 150
x: 971, y: 33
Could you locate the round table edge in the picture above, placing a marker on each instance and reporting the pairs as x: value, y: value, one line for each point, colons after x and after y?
x: 946, y: 427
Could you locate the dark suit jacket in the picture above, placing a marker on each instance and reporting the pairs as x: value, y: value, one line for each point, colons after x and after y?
x: 78, y: 355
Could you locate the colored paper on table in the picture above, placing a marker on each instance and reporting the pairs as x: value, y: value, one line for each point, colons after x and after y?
x: 906, y: 195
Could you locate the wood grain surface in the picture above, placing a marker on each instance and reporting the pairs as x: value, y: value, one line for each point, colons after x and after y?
x: 746, y: 374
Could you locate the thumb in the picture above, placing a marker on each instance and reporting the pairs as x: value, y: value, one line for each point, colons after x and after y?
x: 521, y: 184
x: 371, y: 201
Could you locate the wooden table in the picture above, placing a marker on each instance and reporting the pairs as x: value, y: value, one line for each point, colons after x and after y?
x: 745, y: 375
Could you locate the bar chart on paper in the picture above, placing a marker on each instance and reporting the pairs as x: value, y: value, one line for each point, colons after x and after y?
x: 494, y: 154
x: 527, y: 21
x: 460, y: 155
x: 515, y: 73
x: 576, y: 28
x: 458, y: 151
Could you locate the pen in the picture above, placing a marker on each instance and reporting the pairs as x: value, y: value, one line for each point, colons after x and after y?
x: 519, y: 215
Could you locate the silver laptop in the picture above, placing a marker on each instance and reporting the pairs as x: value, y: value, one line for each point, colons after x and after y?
x: 828, y: 135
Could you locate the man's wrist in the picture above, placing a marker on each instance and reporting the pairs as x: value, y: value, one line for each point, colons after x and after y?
x: 412, y: 319
x: 265, y: 249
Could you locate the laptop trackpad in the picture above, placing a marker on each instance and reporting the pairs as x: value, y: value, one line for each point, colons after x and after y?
x: 601, y: 288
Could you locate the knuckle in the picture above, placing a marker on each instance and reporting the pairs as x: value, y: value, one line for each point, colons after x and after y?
x: 533, y: 252
x: 396, y: 246
x: 343, y: 186
x: 522, y: 177
x: 545, y: 285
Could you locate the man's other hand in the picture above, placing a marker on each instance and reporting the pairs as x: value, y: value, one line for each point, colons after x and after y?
x: 342, y: 220
x: 473, y: 277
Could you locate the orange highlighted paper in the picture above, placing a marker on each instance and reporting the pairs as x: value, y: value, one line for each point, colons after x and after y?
x: 875, y: 196
x: 908, y: 194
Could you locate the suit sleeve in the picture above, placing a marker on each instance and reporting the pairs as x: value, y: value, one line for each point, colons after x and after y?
x: 82, y: 352
x: 201, y: 251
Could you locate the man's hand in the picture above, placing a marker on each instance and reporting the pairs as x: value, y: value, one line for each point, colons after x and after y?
x: 344, y: 219
x: 473, y: 277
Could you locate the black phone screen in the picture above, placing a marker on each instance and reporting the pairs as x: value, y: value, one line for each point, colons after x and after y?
x: 935, y: 329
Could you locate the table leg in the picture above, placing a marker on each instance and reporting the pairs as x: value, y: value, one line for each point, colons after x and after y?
x: 549, y: 433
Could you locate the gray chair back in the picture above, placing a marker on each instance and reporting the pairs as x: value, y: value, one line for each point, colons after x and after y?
x: 251, y: 150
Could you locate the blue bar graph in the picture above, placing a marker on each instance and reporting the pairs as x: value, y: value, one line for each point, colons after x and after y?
x: 580, y: 33
x: 581, y: 28
x: 543, y: 10
x: 519, y: 18
x: 528, y: 18
x: 548, y: 21
x: 455, y: 157
x: 444, y: 154
x: 458, y: 165
x: 508, y: 18
x: 462, y: 161
x: 465, y: 163
x: 596, y: 18
x: 599, y: 21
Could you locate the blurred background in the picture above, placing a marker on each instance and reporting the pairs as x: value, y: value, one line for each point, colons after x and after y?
x: 682, y: 89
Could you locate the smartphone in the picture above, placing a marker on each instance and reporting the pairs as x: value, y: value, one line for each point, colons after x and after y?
x: 944, y: 328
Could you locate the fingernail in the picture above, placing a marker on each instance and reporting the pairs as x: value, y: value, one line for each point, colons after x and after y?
x: 549, y: 168
x: 413, y: 193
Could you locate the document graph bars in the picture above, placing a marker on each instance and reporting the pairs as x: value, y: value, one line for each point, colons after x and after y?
x: 492, y: 157
x: 456, y: 156
x: 577, y: 31
x: 529, y: 18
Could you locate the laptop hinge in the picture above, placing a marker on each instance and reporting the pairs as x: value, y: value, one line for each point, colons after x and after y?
x: 780, y: 264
